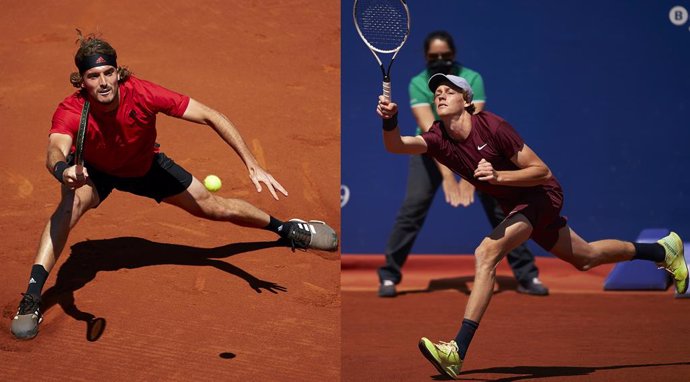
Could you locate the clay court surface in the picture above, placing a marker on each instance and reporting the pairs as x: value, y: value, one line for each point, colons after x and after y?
x: 578, y: 333
x: 182, y: 298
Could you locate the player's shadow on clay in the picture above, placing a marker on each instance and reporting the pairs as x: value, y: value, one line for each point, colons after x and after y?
x: 90, y: 257
x: 534, y: 372
x: 462, y: 285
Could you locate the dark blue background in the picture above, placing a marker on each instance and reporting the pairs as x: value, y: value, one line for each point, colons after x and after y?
x: 599, y: 89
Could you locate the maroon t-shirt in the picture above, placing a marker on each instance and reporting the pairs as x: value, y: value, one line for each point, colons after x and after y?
x: 495, y: 140
x: 122, y: 142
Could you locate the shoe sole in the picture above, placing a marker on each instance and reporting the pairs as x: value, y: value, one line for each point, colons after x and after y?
x: 387, y: 293
x: 523, y: 290
x: 687, y: 279
x: 682, y: 256
x: 26, y: 338
x: 430, y: 357
x: 31, y: 337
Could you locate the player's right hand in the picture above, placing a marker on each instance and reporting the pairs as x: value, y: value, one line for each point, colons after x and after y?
x: 385, y: 108
x: 74, y: 178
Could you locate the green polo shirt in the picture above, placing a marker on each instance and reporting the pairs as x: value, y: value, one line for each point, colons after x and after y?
x: 421, y: 95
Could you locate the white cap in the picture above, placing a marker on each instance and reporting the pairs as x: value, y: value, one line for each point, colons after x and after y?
x: 439, y: 78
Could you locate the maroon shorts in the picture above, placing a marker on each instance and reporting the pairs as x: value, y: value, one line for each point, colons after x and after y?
x: 543, y: 210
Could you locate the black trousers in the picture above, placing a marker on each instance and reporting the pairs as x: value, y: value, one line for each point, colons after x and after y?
x: 423, y: 181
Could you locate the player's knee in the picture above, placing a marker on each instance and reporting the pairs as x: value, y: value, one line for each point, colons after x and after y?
x: 214, y: 209
x: 583, y: 263
x: 80, y: 206
x: 214, y: 212
x: 487, y: 256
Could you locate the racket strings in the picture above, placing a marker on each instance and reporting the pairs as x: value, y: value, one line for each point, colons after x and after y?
x: 384, y: 24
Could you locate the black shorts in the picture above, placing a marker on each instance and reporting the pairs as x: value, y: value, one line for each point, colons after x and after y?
x: 165, y: 178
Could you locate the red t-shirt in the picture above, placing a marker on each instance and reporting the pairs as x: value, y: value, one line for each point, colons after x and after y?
x: 121, y: 142
x: 495, y: 140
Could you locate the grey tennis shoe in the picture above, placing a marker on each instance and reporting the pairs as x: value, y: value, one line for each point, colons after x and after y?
x: 313, y: 234
x: 25, y: 322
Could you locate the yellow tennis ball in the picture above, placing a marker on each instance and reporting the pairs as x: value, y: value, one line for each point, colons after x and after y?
x: 212, y: 183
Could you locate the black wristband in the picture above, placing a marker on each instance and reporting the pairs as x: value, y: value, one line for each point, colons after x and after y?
x: 390, y: 123
x: 59, y: 169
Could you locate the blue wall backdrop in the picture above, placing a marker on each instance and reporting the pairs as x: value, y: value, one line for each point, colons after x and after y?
x: 600, y: 89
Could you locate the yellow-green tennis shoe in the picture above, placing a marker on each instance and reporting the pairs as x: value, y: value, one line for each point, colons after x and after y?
x: 443, y: 355
x: 675, y: 261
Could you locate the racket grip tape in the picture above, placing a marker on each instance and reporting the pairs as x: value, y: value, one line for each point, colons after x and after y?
x: 387, y: 90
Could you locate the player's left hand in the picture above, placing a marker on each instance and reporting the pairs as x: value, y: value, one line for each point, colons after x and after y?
x: 485, y: 172
x: 258, y: 175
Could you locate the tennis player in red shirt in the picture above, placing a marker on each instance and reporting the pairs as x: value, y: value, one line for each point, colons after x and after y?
x: 486, y: 151
x: 120, y: 152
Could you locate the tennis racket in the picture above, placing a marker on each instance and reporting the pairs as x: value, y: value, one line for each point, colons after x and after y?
x: 79, y: 146
x: 384, y: 26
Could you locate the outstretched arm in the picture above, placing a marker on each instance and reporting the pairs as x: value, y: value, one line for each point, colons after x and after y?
x: 200, y: 113
x: 392, y: 140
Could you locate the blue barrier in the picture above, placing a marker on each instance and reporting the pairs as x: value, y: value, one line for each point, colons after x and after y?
x: 640, y: 274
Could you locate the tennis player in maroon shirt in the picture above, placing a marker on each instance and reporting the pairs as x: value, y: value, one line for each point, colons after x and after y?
x: 486, y: 151
x: 120, y: 152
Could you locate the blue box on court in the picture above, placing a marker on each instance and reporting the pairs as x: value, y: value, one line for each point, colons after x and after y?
x: 640, y: 274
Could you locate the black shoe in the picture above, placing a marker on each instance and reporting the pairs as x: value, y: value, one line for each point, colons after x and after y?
x: 25, y: 322
x: 387, y: 289
x: 533, y: 287
x: 313, y: 234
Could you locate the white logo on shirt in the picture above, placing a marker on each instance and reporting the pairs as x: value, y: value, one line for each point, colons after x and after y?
x: 481, y: 147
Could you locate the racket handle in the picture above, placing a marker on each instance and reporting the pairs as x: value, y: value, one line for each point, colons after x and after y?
x: 80, y: 169
x: 387, y: 90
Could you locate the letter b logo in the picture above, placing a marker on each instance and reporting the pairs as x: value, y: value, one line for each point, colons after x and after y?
x: 678, y: 15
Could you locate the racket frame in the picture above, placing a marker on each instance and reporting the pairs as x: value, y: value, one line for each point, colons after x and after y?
x: 81, y: 134
x: 384, y: 71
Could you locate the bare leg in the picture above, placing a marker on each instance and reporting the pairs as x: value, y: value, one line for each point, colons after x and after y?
x: 72, y: 207
x: 512, y: 232
x: 584, y: 256
x: 199, y: 202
